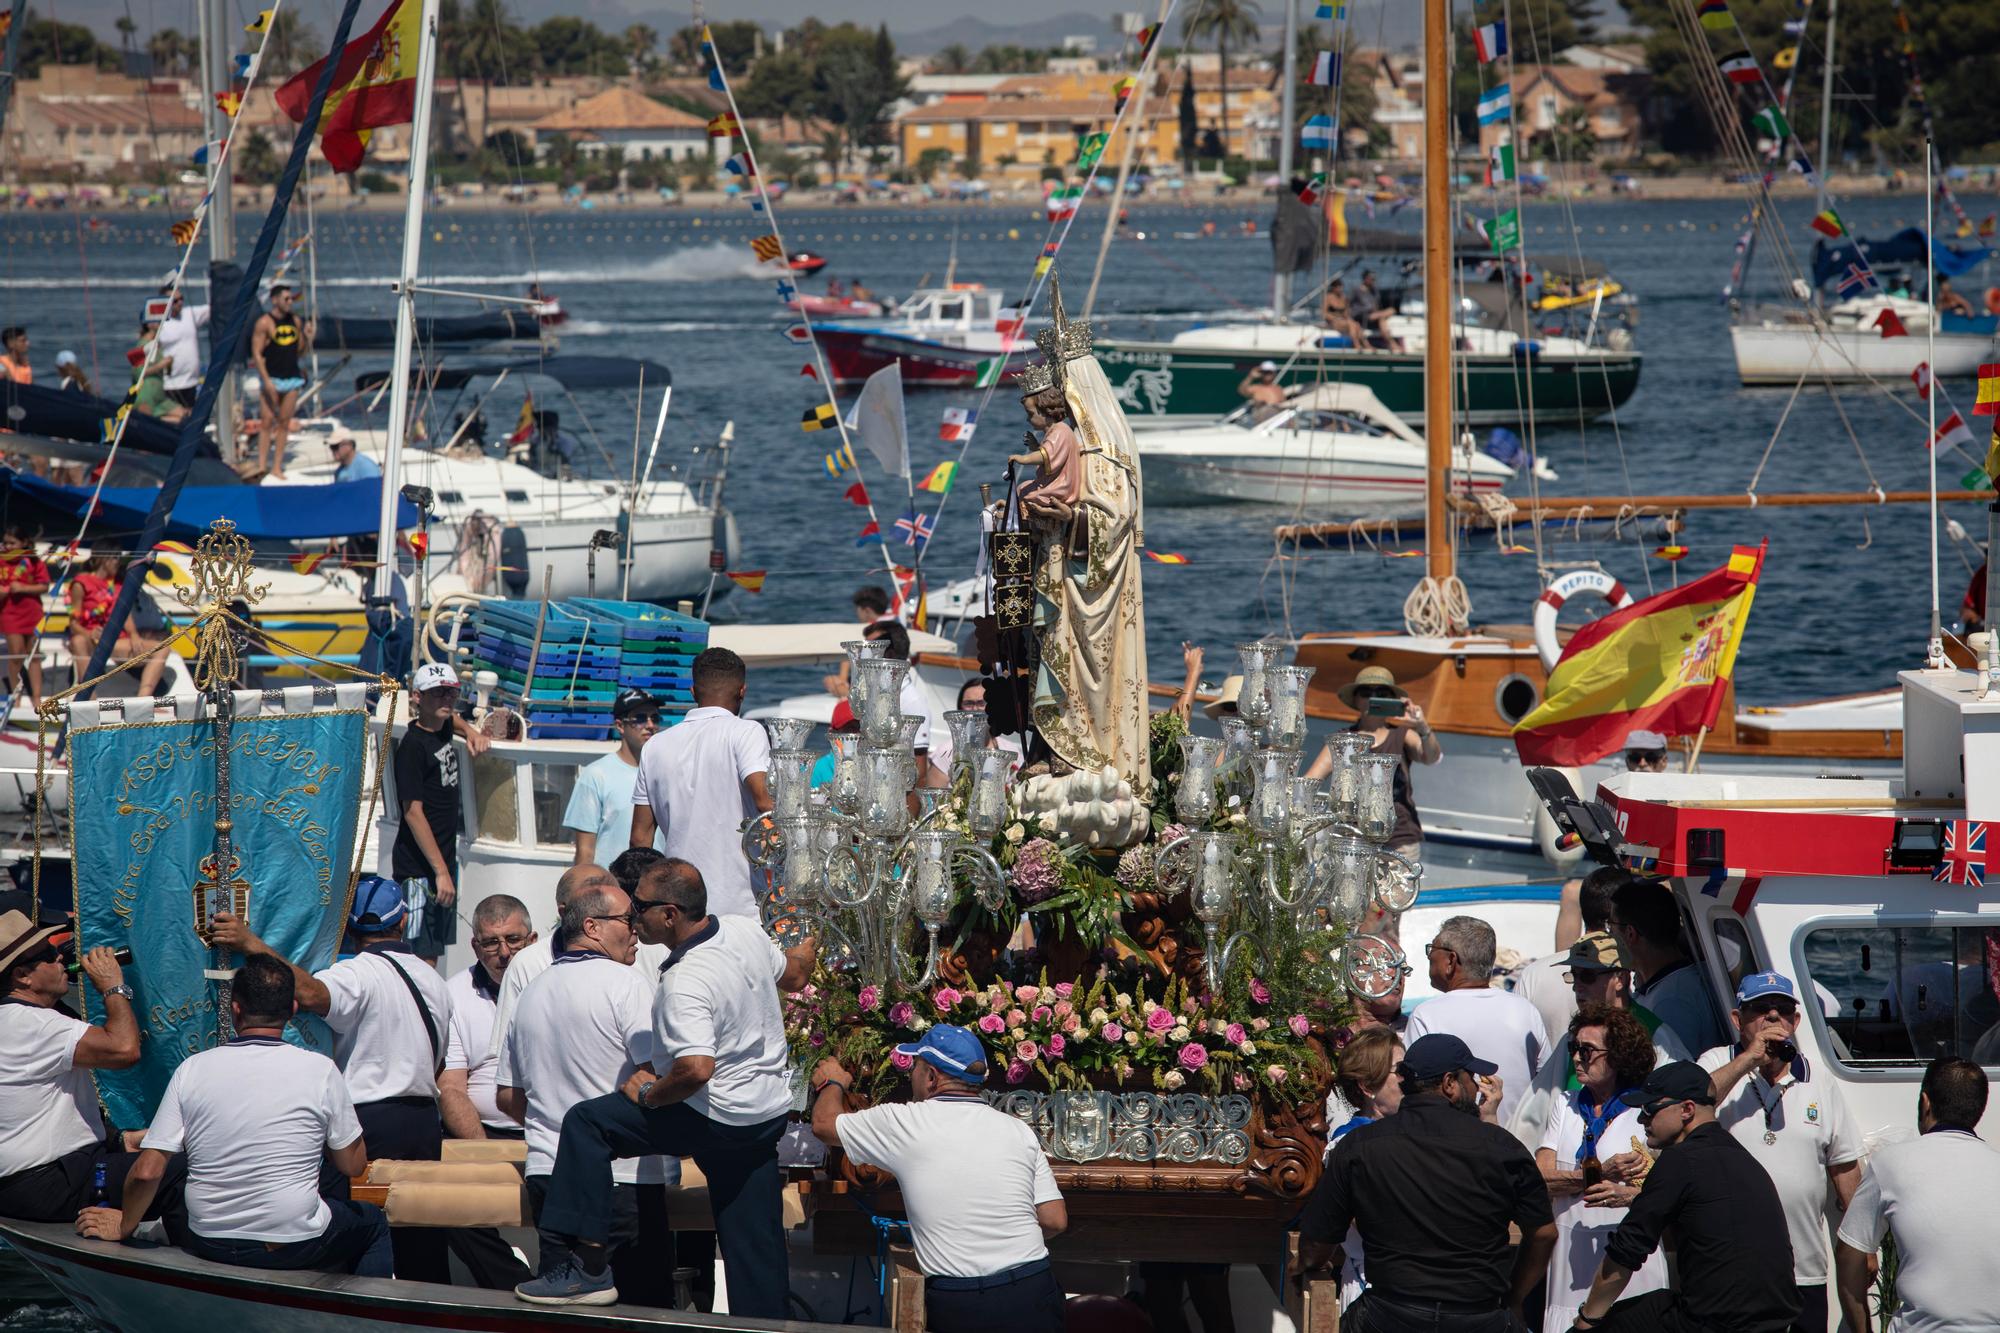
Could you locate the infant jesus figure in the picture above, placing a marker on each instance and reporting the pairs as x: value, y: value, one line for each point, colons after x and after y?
x: 1051, y: 495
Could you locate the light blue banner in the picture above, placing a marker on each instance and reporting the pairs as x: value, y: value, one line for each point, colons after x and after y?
x: 142, y: 802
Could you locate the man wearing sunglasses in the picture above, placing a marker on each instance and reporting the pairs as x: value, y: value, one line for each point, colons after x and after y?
x: 1728, y: 1225
x: 1795, y: 1126
x: 600, y: 805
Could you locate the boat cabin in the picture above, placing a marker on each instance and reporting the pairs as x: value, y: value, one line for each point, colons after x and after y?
x: 966, y: 307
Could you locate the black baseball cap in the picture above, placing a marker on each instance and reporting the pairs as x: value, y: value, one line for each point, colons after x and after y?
x: 633, y: 702
x: 1439, y: 1053
x: 1680, y: 1081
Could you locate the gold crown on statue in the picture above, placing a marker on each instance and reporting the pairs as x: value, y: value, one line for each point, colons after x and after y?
x: 1064, y: 339
x: 1037, y: 378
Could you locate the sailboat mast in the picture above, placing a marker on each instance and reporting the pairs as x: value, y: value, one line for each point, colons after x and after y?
x: 216, y: 74
x: 1826, y: 108
x: 406, y: 299
x: 1437, y: 284
x: 1281, y: 280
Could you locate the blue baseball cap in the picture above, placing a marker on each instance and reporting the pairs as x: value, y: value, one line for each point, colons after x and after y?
x: 378, y: 904
x: 1436, y: 1054
x: 954, y: 1051
x: 1759, y: 984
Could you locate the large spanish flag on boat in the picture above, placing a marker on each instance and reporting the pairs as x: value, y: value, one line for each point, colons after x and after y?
x: 374, y: 84
x: 1662, y: 664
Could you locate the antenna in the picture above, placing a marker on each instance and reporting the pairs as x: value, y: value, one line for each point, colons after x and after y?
x: 1936, y: 659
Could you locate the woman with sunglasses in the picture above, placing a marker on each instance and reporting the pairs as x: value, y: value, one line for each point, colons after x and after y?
x: 1610, y: 1053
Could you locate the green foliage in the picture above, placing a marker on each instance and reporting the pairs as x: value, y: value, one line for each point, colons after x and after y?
x: 931, y: 160
x: 780, y: 85
x: 45, y: 41
x: 257, y: 162
x: 566, y: 44
x: 1357, y: 86
x: 1008, y: 59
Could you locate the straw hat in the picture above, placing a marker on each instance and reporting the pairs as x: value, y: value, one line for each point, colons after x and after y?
x: 1379, y: 677
x: 20, y: 937
x: 1226, y: 697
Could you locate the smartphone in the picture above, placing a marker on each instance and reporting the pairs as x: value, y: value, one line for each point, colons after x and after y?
x: 1385, y: 706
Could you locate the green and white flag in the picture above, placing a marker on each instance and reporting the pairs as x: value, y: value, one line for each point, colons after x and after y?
x: 987, y: 374
x: 1505, y: 232
x: 1771, y: 123
x: 1500, y: 164
x: 1090, y: 147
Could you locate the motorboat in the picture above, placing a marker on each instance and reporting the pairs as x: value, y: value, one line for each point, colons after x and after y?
x: 805, y: 261
x: 942, y: 336
x: 1875, y: 337
x: 1332, y: 449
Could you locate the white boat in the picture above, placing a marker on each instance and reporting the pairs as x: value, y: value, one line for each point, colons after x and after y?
x: 940, y: 335
x: 1332, y: 449
x: 1847, y: 345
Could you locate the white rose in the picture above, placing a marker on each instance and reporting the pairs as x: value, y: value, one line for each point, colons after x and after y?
x: 1146, y: 1006
x: 1015, y: 832
x: 1125, y: 1001
x: 1247, y: 1048
x: 1175, y: 1078
x: 1131, y: 1038
x: 1098, y: 1018
x: 1046, y: 822
x: 1178, y: 1032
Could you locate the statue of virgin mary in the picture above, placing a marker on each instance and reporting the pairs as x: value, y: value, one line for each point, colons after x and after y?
x: 1090, y: 693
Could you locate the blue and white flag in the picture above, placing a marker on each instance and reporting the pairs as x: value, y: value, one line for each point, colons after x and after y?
x: 1317, y: 132
x: 1496, y: 105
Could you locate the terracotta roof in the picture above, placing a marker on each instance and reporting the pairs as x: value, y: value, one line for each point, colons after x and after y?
x: 1589, y: 87
x: 1081, y: 110
x: 132, y: 114
x: 619, y: 109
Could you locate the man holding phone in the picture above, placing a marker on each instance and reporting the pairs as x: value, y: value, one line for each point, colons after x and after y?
x: 1394, y: 724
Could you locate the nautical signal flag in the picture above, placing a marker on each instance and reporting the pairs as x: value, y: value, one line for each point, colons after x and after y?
x: 261, y: 24
x: 858, y: 494
x: 1336, y: 221
x: 1505, y: 231
x: 989, y: 372
x: 1496, y: 105
x: 1062, y: 201
x: 1309, y: 190
x: 820, y: 416
x: 1952, y: 434
x: 1890, y: 323
x: 958, y: 424
x: 740, y: 164
x: 1921, y: 377
x: 1742, y: 68
x: 1993, y: 456
x: 1145, y: 38
x: 1663, y: 664
x: 305, y: 562
x: 750, y: 580
x: 1500, y: 164
x: 1122, y: 90
x: 1670, y: 552
x: 1490, y: 41
x: 766, y: 248
x: 915, y: 527
x: 1090, y: 147
x: 374, y: 83
x: 1337, y: 11
x: 1317, y: 132
x: 939, y: 481
x: 1989, y: 391
x: 242, y: 65
x: 724, y: 126
x: 184, y: 231
x: 1786, y: 58
x: 1986, y: 226
x: 1042, y: 265
x: 1325, y: 70
x: 839, y: 461
x: 230, y: 102
x: 1827, y: 223
x: 869, y: 532
x: 1771, y: 123
x: 1715, y: 15
x: 1166, y: 557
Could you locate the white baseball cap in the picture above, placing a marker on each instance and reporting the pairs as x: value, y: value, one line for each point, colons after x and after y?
x: 434, y: 676
x: 1267, y: 365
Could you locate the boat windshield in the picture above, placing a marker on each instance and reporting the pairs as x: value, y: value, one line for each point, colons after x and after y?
x: 1345, y: 423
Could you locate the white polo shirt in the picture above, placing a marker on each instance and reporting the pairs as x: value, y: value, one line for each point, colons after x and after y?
x: 692, y: 775
x: 1814, y: 1132
x: 580, y: 1030
x: 528, y: 964
x: 380, y: 1040
x: 970, y: 1176
x: 254, y: 1117
x: 469, y: 1047
x: 48, y: 1106
x: 1495, y: 1025
x: 718, y: 997
x: 1937, y: 1194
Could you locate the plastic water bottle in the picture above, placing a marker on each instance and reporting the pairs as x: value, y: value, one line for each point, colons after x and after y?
x: 99, y: 1198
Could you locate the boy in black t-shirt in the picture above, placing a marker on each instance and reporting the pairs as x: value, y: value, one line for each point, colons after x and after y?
x: 425, y: 857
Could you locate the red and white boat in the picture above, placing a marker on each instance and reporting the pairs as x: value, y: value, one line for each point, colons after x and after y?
x: 834, y: 307
x: 940, y: 335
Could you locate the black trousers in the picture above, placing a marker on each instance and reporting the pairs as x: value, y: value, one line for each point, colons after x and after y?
x: 744, y: 1187
x: 1379, y: 1312
x: 1021, y: 1300
x: 1663, y: 1312
x: 57, y: 1191
x: 642, y: 1245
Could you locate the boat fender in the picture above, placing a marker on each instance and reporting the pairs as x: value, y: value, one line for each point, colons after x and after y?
x: 1565, y: 586
x: 514, y: 569
x: 1993, y: 300
x: 1549, y: 838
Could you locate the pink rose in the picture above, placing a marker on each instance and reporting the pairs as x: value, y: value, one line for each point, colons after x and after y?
x: 1026, y: 994
x: 1027, y: 1052
x: 900, y: 1060
x: 1260, y: 1025
x: 1017, y: 1072
x: 1111, y: 1032
x: 1042, y: 1013
x: 870, y: 998
x: 1160, y: 1020
x: 945, y: 998
x: 1276, y: 1073
x: 1071, y: 1023
x: 996, y: 999
x: 1063, y: 1009
x: 1240, y: 1082
x: 991, y: 1023
x: 1065, y: 989
x: 1193, y: 1056
x: 1057, y: 1045
x: 1015, y: 1018
x: 1259, y: 991
x: 902, y: 1013
x: 1299, y: 1025
x: 1235, y: 1034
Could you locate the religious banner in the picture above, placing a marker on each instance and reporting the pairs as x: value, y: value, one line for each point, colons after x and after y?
x: 143, y: 803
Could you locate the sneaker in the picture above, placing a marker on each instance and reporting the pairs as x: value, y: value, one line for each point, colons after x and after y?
x: 569, y: 1285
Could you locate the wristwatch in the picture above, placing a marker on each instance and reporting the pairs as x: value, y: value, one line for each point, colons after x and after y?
x: 646, y: 1090
x: 120, y: 989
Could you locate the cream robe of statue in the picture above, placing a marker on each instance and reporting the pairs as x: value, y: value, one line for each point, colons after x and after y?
x: 1090, y: 695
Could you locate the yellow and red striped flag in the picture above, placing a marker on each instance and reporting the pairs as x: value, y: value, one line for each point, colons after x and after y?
x: 1989, y: 391
x: 1166, y: 557
x: 766, y: 248
x: 1663, y: 664
x: 305, y: 562
x: 750, y: 580
x: 184, y: 230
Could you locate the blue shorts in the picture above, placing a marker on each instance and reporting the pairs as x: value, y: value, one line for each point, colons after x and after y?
x: 289, y: 384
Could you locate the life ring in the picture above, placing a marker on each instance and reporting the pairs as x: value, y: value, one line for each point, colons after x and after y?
x: 1549, y: 605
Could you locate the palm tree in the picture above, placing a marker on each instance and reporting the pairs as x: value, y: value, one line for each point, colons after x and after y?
x: 1572, y: 137
x: 168, y: 49
x: 1225, y: 21
x: 482, y: 52
x: 290, y: 44
x: 643, y: 44
x: 126, y: 28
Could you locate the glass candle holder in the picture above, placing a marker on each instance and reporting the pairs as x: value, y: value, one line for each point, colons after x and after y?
x: 801, y: 865
x: 1212, y: 875
x: 1308, y: 795
x: 1348, y: 747
x: 862, y: 649
x: 932, y: 893
x: 1350, y: 868
x: 970, y: 733
x: 1286, y: 726
x: 1253, y: 704
x: 876, y: 694
x: 885, y: 809
x: 789, y: 733
x: 1376, y: 801
x: 1271, y: 774
x: 1201, y: 757
x: 906, y: 740
x: 790, y: 776
x: 845, y: 789
x: 986, y: 809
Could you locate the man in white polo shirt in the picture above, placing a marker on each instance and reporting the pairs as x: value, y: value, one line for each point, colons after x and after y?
x: 582, y: 1029
x: 1496, y: 1025
x: 534, y: 960
x: 1936, y: 1195
x: 255, y: 1117
x: 1796, y: 1126
x: 701, y: 778
x: 724, y: 1100
x: 981, y: 1199
x: 500, y: 931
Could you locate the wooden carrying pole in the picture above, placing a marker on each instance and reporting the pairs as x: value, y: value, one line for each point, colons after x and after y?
x: 1437, y: 283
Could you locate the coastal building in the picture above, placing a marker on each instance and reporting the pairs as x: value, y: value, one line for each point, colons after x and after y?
x: 84, y: 121
x: 645, y: 130
x: 1575, y: 113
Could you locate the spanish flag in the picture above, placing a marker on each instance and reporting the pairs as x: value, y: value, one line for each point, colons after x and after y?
x: 374, y: 84
x: 1166, y: 557
x: 1336, y: 220
x: 305, y: 562
x: 750, y: 580
x: 1663, y: 664
x: 724, y: 126
x: 1989, y: 391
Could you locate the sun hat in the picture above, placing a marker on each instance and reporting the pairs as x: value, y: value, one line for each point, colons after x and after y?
x: 1230, y: 693
x: 20, y: 937
x: 1379, y: 677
